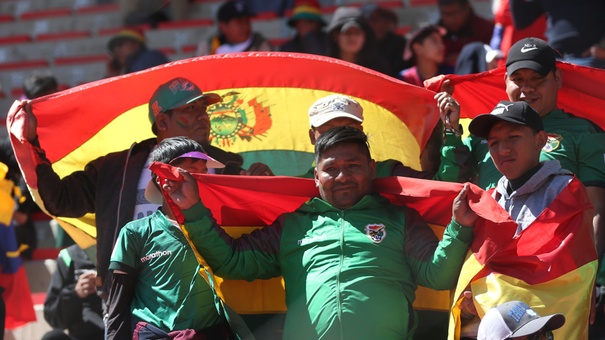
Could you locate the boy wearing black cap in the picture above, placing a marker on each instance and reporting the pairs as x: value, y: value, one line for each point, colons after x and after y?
x: 515, y: 138
x: 234, y: 32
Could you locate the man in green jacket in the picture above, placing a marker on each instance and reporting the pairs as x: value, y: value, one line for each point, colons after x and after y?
x: 351, y: 261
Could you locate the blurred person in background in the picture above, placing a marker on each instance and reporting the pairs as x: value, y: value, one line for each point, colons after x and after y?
x: 307, y: 21
x: 463, y: 26
x: 389, y: 44
x: 129, y: 53
x: 426, y: 53
x: 234, y: 32
x: 351, y: 39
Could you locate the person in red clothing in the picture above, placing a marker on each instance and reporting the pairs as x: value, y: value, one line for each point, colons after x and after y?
x: 463, y: 26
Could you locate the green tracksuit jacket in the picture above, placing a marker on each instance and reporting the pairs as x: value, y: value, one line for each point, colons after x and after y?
x: 349, y: 274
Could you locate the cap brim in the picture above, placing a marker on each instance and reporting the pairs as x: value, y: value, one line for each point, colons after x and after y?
x: 547, y: 323
x: 211, y: 163
x: 482, y: 124
x: 326, y: 117
x: 211, y: 98
x: 543, y: 70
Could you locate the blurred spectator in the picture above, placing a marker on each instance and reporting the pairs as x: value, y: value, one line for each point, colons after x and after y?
x: 307, y: 21
x: 478, y: 57
x: 463, y: 26
x: 71, y: 301
x: 389, y: 44
x: 34, y: 86
x: 129, y: 53
x: 506, y: 34
x: 425, y: 52
x: 575, y: 28
x: 152, y: 12
x: 234, y: 32
x: 352, y: 40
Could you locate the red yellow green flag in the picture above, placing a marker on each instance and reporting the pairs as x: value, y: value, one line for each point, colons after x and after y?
x: 551, y: 265
x: 263, y: 117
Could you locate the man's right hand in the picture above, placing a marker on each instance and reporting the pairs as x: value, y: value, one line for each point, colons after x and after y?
x: 449, y: 109
x: 184, y: 193
x: 32, y: 122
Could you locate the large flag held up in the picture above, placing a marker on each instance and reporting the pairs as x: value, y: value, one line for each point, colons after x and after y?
x: 263, y: 117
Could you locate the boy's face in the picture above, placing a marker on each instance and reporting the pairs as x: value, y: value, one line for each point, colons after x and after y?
x: 515, y: 148
x: 192, y: 165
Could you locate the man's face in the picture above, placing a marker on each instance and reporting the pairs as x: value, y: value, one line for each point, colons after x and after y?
x: 315, y: 133
x: 455, y: 16
x: 380, y: 25
x: 515, y: 148
x: 344, y: 175
x: 236, y: 30
x: 190, y: 121
x: 538, y: 91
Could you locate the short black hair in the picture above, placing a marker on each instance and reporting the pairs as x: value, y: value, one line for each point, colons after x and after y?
x: 451, y: 2
x: 39, y: 84
x: 170, y: 148
x: 341, y: 135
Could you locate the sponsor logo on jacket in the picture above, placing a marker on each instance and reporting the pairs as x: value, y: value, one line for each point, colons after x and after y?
x: 156, y: 255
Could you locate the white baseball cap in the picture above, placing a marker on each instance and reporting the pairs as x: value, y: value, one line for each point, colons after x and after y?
x: 334, y: 106
x: 515, y: 319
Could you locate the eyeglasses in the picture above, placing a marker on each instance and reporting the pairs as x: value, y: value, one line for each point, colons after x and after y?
x: 542, y: 335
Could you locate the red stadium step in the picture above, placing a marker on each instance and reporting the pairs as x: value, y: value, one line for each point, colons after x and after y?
x: 94, y: 9
x: 45, y: 253
x: 62, y: 36
x: 23, y: 64
x: 49, y: 13
x: 186, y: 23
x: 81, y: 59
x: 15, y: 39
x: 417, y: 3
x: 6, y: 18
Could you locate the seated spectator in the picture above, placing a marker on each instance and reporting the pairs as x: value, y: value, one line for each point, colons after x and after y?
x: 426, y: 52
x: 307, y: 21
x: 463, y: 26
x: 389, y: 44
x: 129, y: 53
x: 156, y: 285
x: 72, y: 302
x: 352, y: 40
x: 515, y: 320
x: 234, y: 32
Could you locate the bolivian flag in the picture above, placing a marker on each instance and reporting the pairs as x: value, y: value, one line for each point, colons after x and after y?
x: 551, y: 265
x: 263, y: 117
x: 580, y: 95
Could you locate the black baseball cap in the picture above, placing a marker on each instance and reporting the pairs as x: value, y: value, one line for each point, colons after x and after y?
x: 532, y: 53
x: 233, y: 9
x: 513, y: 112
